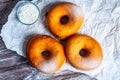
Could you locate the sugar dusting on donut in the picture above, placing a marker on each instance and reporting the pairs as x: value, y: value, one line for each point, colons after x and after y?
x: 48, y: 66
x: 76, y: 11
x: 91, y: 64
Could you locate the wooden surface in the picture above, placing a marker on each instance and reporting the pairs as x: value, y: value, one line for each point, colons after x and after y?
x: 15, y: 67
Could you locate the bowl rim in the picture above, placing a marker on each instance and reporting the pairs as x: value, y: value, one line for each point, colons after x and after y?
x: 25, y: 3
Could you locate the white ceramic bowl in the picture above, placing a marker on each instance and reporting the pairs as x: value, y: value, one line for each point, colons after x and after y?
x: 19, y: 11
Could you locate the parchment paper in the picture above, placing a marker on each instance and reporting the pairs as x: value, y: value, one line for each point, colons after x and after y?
x: 102, y: 22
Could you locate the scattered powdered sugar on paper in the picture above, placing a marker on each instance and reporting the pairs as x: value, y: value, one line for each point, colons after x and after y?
x: 102, y: 21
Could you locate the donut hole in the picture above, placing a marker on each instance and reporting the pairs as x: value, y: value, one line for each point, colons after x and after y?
x: 83, y: 52
x: 64, y: 19
x: 46, y: 54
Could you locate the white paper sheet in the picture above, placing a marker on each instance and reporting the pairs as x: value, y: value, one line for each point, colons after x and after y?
x: 102, y: 21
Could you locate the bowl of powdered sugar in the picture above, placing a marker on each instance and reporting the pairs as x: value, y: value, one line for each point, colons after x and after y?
x: 28, y: 13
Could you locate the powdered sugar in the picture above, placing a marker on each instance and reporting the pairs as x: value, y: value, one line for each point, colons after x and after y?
x: 76, y: 10
x: 48, y: 66
x: 28, y: 13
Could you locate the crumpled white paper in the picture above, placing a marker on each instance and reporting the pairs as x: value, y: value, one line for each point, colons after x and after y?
x: 102, y: 21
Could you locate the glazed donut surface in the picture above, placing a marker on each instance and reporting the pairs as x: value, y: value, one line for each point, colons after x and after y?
x: 45, y: 53
x: 83, y: 52
x: 64, y: 19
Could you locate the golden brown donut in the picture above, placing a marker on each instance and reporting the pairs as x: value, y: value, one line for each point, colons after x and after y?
x: 64, y: 19
x: 45, y: 53
x: 83, y: 52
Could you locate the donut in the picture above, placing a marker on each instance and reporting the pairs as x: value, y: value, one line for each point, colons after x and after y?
x: 45, y: 53
x: 64, y: 19
x: 83, y: 52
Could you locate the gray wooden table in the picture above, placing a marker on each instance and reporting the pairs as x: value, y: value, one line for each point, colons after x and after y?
x: 15, y: 67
